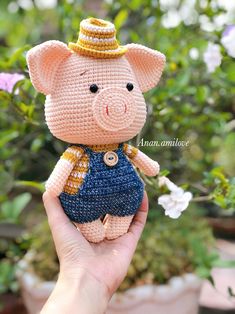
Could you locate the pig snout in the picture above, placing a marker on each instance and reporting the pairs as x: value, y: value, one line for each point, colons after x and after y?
x: 114, y: 109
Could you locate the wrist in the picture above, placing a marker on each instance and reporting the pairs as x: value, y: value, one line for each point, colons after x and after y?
x: 75, y: 294
x: 90, y: 292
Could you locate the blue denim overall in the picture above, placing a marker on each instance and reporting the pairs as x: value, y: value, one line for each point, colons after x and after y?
x: 116, y: 190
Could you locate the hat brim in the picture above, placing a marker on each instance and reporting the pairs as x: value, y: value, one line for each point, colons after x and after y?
x: 96, y: 53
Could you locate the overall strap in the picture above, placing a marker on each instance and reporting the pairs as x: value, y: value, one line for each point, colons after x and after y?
x: 121, y: 147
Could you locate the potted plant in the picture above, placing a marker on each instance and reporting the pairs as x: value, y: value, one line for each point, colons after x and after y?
x: 219, y: 202
x: 163, y: 276
x: 12, y: 249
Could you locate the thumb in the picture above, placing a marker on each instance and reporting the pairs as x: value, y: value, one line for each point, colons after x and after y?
x: 60, y: 225
x: 140, y: 218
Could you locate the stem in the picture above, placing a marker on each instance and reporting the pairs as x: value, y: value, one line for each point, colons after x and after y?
x: 202, y: 198
x: 200, y: 187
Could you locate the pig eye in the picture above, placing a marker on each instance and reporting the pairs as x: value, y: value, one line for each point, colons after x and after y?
x: 94, y: 88
x: 129, y: 86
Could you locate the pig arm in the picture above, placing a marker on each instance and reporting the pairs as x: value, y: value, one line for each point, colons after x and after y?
x: 148, y: 166
x: 58, y: 178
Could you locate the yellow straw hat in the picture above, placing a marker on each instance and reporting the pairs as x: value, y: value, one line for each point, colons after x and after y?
x: 97, y: 38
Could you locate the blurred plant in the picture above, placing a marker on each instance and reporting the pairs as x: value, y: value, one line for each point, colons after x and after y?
x: 7, y: 277
x: 216, y: 189
x: 192, y: 244
x: 222, y: 190
x: 11, y: 252
x: 13, y: 244
x: 10, y: 210
x: 42, y: 256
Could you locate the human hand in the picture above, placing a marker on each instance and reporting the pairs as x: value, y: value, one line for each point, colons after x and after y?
x: 89, y: 273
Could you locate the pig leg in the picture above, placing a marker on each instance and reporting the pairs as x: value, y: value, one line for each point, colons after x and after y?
x: 93, y: 231
x: 116, y: 226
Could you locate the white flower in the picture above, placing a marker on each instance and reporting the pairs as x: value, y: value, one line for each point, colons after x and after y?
x: 212, y: 57
x: 194, y: 53
x: 228, y: 40
x: 46, y: 4
x: 171, y: 19
x: 165, y: 181
x: 175, y: 202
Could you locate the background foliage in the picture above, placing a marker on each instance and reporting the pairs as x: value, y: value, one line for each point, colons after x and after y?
x: 189, y: 103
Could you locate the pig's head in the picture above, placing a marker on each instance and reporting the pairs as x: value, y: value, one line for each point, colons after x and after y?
x: 94, y: 100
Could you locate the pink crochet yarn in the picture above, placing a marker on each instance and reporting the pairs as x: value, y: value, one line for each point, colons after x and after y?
x: 87, y: 102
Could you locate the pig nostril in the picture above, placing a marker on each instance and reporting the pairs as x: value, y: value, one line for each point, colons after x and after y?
x: 125, y: 108
x: 107, y: 110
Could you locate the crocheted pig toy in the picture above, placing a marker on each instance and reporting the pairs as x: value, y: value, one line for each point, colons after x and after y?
x: 94, y: 102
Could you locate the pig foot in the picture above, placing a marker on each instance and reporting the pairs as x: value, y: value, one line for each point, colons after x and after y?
x: 93, y: 231
x: 116, y: 226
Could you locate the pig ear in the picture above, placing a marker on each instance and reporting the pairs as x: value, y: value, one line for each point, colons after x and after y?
x: 147, y: 65
x: 43, y: 62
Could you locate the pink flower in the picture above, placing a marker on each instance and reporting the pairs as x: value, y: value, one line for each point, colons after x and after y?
x: 228, y: 29
x: 228, y: 40
x: 8, y: 81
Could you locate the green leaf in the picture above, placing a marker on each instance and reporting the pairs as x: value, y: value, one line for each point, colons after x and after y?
x: 7, y: 136
x: 164, y: 173
x: 224, y: 263
x: 6, y: 182
x: 40, y: 186
x: 202, y: 94
x: 120, y: 19
x: 11, y: 210
x: 135, y: 4
x: 203, y: 272
x: 230, y: 72
x: 181, y: 81
x: 20, y: 202
x: 220, y: 201
x: 231, y: 292
x: 16, y: 55
x: 36, y: 144
x: 7, y: 276
x: 211, y: 280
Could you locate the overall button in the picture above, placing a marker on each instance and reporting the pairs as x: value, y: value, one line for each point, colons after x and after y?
x: 110, y: 159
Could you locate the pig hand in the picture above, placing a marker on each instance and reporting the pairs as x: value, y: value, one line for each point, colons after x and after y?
x: 62, y: 170
x: 147, y: 165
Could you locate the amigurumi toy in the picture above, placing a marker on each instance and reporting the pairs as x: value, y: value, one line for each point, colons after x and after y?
x: 94, y: 102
